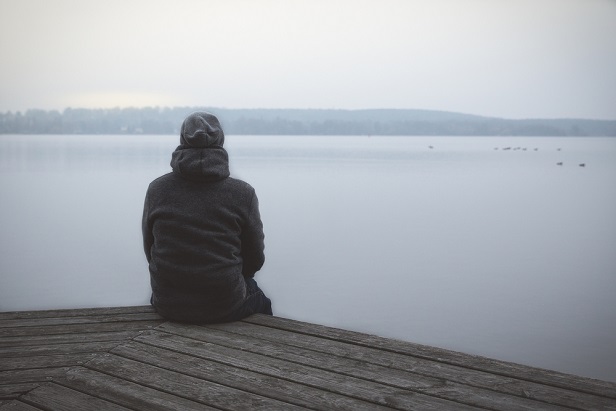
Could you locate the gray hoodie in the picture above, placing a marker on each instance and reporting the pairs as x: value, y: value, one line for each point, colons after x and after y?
x: 202, y: 231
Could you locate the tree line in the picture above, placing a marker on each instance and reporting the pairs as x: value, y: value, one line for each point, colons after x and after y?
x: 167, y: 120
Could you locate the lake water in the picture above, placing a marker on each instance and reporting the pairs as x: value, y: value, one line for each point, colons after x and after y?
x: 483, y: 245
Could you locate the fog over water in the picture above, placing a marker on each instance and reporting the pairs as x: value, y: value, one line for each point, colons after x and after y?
x: 479, y: 244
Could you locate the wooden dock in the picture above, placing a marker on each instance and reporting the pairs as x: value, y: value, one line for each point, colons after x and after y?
x: 128, y: 358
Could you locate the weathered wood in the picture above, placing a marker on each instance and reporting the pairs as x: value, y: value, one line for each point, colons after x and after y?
x: 18, y: 406
x: 497, y: 367
x: 67, y: 338
x: 78, y: 328
x: 45, y: 361
x: 437, y: 387
x: 130, y: 358
x: 205, y: 392
x: 283, y: 390
x: 76, y: 312
x: 126, y: 393
x: 55, y: 397
x: 14, y: 390
x: 54, y: 349
x: 90, y: 319
x: 430, y: 368
x: 31, y: 375
x: 351, y: 386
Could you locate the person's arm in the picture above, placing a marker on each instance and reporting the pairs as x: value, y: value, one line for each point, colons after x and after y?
x: 253, y: 244
x: 146, y: 228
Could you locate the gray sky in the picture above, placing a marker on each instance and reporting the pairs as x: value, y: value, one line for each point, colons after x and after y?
x: 505, y: 58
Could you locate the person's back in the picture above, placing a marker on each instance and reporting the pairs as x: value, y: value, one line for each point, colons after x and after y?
x: 202, y: 232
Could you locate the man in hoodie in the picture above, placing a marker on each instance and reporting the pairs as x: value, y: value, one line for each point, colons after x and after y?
x: 202, y: 233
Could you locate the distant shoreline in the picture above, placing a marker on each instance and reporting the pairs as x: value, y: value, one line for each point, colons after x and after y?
x: 374, y: 122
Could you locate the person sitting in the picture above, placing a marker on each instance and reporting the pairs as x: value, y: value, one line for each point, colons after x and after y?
x: 202, y: 233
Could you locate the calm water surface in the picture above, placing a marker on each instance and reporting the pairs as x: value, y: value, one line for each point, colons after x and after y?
x: 483, y: 245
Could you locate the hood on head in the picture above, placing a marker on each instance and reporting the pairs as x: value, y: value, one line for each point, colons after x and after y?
x: 200, y: 130
x: 200, y: 164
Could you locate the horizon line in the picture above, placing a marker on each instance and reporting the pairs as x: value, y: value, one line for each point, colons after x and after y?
x: 298, y: 109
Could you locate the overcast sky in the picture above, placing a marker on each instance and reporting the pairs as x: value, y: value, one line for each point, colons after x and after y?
x: 504, y: 58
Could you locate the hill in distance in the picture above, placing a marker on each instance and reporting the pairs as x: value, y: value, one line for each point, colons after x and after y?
x: 401, y: 122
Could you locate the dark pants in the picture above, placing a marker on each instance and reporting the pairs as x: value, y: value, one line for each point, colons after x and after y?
x: 256, y: 303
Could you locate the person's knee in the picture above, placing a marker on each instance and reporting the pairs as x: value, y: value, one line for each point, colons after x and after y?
x: 267, y: 306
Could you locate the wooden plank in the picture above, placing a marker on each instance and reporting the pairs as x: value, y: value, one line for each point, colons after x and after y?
x: 45, y: 361
x: 54, y: 349
x: 31, y: 375
x: 205, y: 392
x: 354, y: 387
x: 79, y: 328
x: 437, y: 387
x: 267, y: 362
x: 89, y: 319
x: 554, y: 378
x: 56, y: 397
x: 452, y: 373
x: 16, y: 405
x: 67, y: 338
x: 282, y: 390
x: 126, y: 393
x: 75, y: 312
x: 10, y: 391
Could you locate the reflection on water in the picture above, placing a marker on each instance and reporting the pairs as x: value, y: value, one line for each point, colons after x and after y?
x: 464, y: 245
